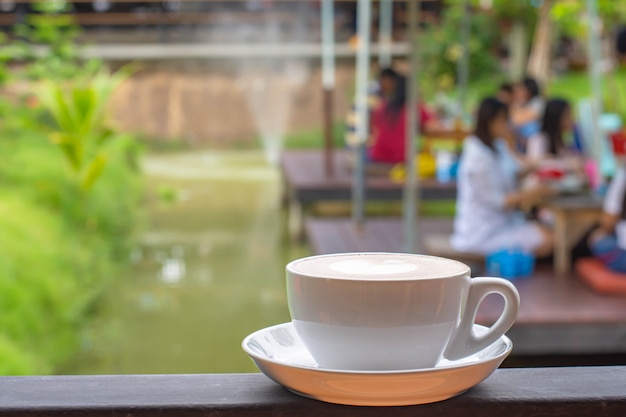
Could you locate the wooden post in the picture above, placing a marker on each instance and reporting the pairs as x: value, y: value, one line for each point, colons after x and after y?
x: 463, y: 64
x: 328, y: 80
x: 328, y: 112
x: 518, y: 45
x: 595, y: 76
x: 385, y: 33
x: 411, y: 186
x: 362, y: 79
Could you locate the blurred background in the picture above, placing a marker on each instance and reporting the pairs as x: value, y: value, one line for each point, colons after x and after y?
x: 145, y: 220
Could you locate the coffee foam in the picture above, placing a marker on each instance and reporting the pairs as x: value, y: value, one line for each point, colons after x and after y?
x: 377, y: 266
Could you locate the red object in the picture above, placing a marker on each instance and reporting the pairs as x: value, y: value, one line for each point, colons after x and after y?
x: 390, y: 134
x: 619, y: 143
x: 600, y: 278
x: 551, y: 174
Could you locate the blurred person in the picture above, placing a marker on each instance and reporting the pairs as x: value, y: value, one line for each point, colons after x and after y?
x: 487, y: 216
x: 527, y: 107
x: 549, y: 143
x: 389, y: 125
x: 608, y: 242
x: 382, y: 88
x: 387, y: 79
x: 506, y: 94
x: 620, y: 45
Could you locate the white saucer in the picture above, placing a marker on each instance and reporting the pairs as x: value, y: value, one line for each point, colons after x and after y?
x: 280, y: 354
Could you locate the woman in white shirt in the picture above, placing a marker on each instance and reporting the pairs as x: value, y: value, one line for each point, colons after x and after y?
x: 608, y: 243
x: 487, y: 219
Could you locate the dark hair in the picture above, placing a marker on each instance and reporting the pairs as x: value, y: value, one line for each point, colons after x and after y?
x: 551, y: 123
x: 532, y: 86
x: 395, y: 105
x: 388, y: 72
x: 490, y: 108
x: 620, y: 41
x: 507, y: 87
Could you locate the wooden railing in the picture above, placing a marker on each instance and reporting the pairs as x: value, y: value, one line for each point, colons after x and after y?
x: 545, y: 392
x: 192, y: 12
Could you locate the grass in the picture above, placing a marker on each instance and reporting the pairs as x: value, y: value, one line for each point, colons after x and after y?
x: 314, y: 138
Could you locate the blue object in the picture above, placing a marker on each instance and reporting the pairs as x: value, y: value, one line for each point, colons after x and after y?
x: 529, y: 129
x: 447, y: 164
x: 510, y: 264
x: 579, y: 143
x: 454, y: 169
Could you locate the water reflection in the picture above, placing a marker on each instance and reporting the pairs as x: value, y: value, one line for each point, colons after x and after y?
x: 209, y: 271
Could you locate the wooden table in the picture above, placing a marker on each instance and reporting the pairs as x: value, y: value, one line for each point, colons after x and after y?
x: 573, y: 216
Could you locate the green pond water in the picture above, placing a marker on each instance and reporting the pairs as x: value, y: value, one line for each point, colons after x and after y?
x: 208, y: 271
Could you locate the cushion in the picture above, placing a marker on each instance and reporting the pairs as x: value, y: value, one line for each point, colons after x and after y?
x: 600, y: 278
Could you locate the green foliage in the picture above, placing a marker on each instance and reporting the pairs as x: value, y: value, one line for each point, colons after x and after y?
x: 46, y: 44
x: 569, y: 15
x: 78, y: 122
x: 442, y: 49
x: 59, y: 249
x: 69, y: 193
x: 519, y: 10
x: 68, y: 210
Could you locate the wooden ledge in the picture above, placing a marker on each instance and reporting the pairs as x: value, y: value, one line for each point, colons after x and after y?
x: 576, y: 392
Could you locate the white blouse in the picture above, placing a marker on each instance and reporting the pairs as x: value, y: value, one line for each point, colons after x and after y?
x: 485, y: 178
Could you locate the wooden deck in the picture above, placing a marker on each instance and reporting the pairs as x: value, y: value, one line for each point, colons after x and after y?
x: 306, y: 183
x: 557, y: 316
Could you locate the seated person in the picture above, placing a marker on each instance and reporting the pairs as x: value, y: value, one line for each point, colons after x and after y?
x: 547, y: 149
x: 608, y: 243
x: 506, y: 94
x: 548, y: 143
x: 389, y: 126
x: 527, y: 108
x: 381, y: 89
x: 487, y: 219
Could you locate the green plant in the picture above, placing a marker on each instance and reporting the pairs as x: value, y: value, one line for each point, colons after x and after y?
x: 524, y: 11
x: 52, y: 267
x: 442, y: 48
x: 47, y: 44
x: 79, y: 125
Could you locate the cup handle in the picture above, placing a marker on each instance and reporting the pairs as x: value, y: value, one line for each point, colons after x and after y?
x: 464, y: 341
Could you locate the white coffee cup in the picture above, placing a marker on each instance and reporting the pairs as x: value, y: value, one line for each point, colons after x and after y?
x: 389, y: 311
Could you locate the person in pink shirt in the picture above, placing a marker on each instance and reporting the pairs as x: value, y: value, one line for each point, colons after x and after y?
x: 389, y: 126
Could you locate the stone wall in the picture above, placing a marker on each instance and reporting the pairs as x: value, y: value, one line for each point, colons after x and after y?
x: 207, y: 106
